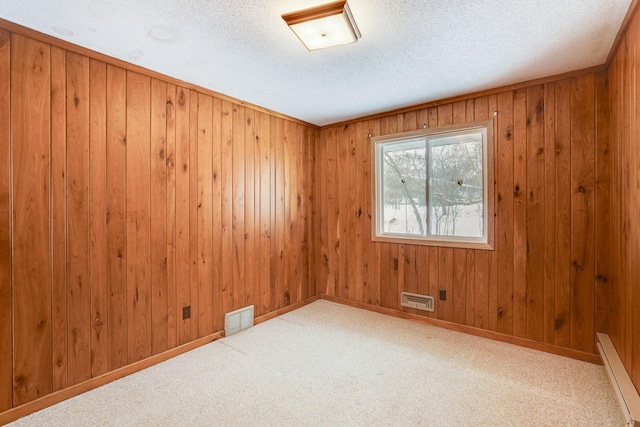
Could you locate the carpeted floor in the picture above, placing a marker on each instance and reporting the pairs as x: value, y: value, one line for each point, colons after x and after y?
x: 331, y: 365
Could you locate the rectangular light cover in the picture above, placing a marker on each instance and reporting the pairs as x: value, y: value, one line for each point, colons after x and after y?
x: 325, y: 32
x: 324, y: 26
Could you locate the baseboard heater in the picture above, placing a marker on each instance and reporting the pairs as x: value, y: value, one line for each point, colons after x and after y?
x: 622, y: 384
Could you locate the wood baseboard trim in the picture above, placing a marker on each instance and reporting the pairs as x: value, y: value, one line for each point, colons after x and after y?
x: 620, y: 380
x: 497, y: 336
x: 284, y: 310
x: 69, y: 392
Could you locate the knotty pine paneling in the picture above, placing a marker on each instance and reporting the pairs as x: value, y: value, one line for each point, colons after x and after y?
x: 159, y: 210
x: 172, y: 306
x: 116, y: 324
x: 138, y: 216
x: 205, y: 215
x: 124, y: 198
x: 183, y: 290
x: 59, y: 216
x: 583, y: 190
x: 618, y: 293
x: 30, y: 219
x: 97, y: 217
x: 563, y: 214
x: 217, y: 213
x: 540, y: 281
x: 79, y: 285
x: 6, y: 349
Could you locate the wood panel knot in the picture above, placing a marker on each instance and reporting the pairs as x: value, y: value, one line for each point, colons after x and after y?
x: 500, y: 312
x: 577, y: 266
x: 582, y: 189
x: 98, y: 325
x: 558, y: 323
x: 602, y: 278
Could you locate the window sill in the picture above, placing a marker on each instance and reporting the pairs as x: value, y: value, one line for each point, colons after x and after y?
x: 436, y: 243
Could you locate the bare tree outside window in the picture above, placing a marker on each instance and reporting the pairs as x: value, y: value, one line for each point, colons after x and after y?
x: 405, y: 183
x: 455, y: 186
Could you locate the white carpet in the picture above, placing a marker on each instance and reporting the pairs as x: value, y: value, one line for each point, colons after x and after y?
x: 330, y: 365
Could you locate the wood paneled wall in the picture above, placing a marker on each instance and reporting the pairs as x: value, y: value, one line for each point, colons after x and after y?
x: 124, y: 198
x: 623, y: 322
x: 551, y: 180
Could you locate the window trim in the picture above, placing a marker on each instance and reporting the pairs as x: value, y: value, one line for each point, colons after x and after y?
x: 488, y: 183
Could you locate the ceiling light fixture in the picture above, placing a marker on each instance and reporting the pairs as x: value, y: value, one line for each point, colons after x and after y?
x: 324, y: 26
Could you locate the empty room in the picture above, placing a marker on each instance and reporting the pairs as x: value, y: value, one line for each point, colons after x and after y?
x: 320, y: 212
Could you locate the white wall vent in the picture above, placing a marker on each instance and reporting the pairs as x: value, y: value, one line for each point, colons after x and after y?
x: 420, y: 302
x: 236, y: 321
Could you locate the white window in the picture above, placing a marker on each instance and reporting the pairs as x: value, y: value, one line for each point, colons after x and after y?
x: 431, y: 186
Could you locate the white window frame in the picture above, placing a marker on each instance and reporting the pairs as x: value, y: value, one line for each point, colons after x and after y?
x: 486, y: 241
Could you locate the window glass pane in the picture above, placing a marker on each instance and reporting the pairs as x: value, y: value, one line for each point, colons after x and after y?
x: 456, y: 186
x: 404, y: 179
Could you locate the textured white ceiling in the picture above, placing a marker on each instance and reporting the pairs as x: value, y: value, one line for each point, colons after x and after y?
x: 411, y: 51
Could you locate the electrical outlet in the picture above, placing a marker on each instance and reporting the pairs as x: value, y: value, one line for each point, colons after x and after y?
x: 443, y: 294
x: 186, y: 312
